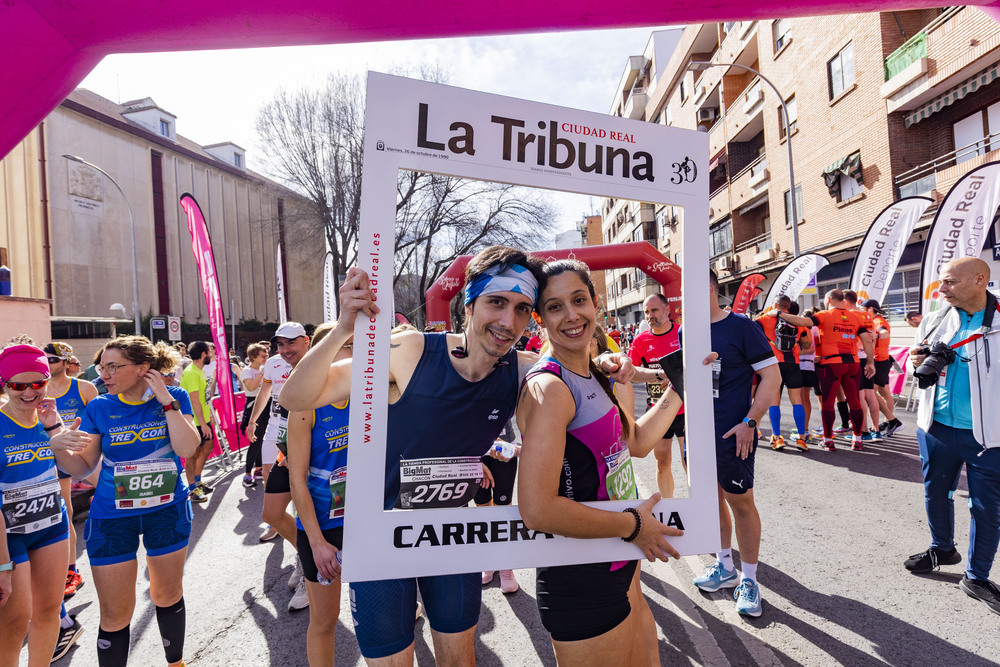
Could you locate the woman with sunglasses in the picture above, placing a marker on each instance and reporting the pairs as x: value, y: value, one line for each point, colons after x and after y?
x: 577, y: 444
x: 142, y: 428
x: 34, y: 551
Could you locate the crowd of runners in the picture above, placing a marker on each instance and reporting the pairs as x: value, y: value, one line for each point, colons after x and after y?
x: 563, y: 410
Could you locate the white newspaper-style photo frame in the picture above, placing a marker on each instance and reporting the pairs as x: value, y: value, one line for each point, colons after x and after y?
x: 427, y: 127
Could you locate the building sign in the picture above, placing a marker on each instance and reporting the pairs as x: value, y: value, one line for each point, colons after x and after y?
x: 86, y: 189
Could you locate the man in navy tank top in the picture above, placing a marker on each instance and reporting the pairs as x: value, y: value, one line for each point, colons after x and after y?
x: 467, y: 381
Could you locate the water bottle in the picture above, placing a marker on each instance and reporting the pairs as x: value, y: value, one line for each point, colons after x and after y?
x: 323, y: 580
x: 505, y: 449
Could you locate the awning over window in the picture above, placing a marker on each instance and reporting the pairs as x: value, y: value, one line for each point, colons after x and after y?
x: 849, y: 166
x: 714, y: 162
x: 971, y: 85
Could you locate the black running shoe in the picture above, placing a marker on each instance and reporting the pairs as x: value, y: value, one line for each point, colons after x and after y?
x: 68, y: 637
x: 205, y: 487
x: 984, y: 591
x: 894, y: 427
x: 931, y: 560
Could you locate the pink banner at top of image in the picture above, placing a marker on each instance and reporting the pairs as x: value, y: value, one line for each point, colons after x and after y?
x: 201, y: 244
x: 747, y: 292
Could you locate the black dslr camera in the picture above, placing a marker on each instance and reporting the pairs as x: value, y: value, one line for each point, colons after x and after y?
x: 939, y: 355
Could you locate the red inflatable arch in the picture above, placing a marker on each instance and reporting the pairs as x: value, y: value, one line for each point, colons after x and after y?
x: 638, y: 254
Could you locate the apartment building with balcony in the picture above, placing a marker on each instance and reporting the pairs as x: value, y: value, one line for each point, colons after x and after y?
x: 881, y: 106
x: 626, y: 221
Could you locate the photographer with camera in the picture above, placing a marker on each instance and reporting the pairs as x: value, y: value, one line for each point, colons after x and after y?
x: 958, y: 370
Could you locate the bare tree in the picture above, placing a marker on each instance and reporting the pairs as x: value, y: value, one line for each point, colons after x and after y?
x: 312, y: 141
x: 439, y: 218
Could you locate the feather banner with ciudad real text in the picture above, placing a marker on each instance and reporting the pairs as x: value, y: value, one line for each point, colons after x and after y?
x: 794, y: 277
x: 879, y: 253
x: 959, y: 229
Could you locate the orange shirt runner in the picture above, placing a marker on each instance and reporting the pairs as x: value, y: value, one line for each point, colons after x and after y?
x: 838, y: 335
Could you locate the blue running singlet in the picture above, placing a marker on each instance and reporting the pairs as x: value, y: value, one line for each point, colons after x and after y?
x: 327, y: 477
x: 140, y: 471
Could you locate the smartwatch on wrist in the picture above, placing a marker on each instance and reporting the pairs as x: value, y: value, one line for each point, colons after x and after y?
x: 8, y: 567
x: 172, y: 405
x: 752, y: 423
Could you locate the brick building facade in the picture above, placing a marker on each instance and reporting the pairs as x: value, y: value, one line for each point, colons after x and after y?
x: 881, y: 106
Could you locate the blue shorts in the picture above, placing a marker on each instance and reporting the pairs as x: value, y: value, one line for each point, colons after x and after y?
x: 384, y: 611
x: 20, y: 545
x: 735, y: 474
x: 116, y: 539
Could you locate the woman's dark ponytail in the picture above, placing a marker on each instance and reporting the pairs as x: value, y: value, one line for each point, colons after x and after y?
x: 602, y: 379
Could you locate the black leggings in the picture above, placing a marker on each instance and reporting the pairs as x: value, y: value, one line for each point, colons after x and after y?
x: 504, y: 473
x: 253, y: 451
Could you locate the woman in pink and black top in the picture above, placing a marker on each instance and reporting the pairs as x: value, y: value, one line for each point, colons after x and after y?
x: 577, y: 447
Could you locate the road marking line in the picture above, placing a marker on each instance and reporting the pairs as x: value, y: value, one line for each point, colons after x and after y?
x: 706, y: 643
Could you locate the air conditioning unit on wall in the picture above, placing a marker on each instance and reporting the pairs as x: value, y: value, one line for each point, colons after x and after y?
x: 726, y: 263
x: 707, y: 115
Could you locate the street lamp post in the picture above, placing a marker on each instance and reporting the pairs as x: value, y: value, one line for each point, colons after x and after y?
x: 135, y: 261
x: 697, y: 65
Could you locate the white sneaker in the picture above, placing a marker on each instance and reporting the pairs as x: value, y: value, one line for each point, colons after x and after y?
x: 488, y: 576
x: 508, y: 584
x: 300, y: 598
x: 296, y: 576
x: 269, y: 534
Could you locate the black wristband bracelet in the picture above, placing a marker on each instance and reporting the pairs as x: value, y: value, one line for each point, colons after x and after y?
x: 53, y: 427
x: 638, y: 524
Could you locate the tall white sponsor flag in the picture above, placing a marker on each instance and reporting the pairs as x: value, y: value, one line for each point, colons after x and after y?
x: 883, y: 245
x: 280, y: 273
x: 329, y: 293
x: 795, y: 277
x: 959, y: 229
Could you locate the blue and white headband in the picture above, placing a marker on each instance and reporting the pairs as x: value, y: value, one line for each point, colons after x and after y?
x: 515, y: 279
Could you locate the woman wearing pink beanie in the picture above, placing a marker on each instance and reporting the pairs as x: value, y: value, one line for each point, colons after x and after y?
x: 33, y: 549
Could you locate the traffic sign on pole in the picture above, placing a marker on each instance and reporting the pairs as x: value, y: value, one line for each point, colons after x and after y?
x: 158, y: 323
x: 174, y: 328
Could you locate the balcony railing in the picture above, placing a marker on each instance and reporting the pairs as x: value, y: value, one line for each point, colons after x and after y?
x: 752, y: 96
x: 922, y: 177
x: 757, y: 244
x: 755, y: 168
x: 913, y: 50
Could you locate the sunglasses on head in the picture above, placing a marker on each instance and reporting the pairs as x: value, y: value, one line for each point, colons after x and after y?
x: 55, y: 360
x: 22, y: 386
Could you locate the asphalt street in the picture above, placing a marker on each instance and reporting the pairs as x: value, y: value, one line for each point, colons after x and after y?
x: 836, y: 529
